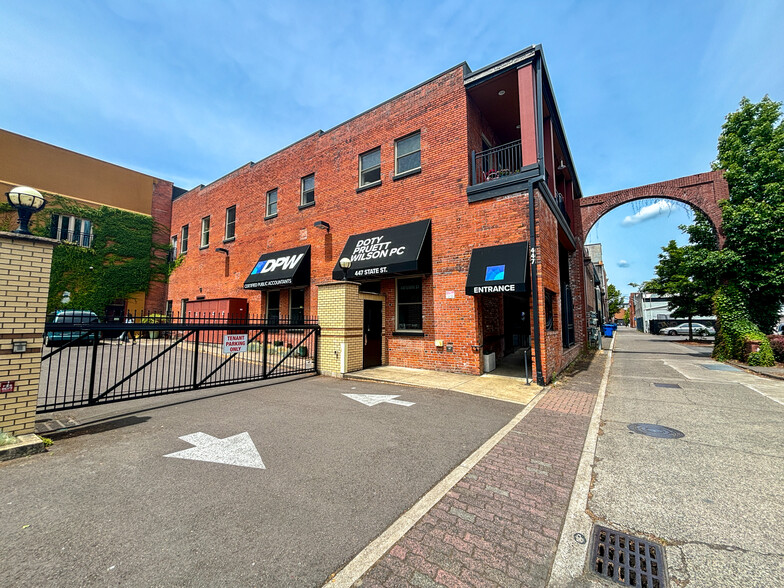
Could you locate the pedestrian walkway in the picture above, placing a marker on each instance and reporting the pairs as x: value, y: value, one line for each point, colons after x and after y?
x: 499, y: 524
x: 500, y: 387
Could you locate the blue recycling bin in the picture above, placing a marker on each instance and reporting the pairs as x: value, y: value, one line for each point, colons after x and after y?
x: 608, y: 329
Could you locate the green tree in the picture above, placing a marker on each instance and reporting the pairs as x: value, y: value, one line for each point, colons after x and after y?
x: 678, y: 276
x: 751, y: 150
x: 614, y: 299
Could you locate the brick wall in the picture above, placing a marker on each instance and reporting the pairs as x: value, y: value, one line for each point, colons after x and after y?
x: 449, y: 127
x: 25, y: 264
x: 155, y: 301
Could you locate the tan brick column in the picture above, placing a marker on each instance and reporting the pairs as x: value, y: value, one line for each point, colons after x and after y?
x: 25, y: 263
x: 340, y: 316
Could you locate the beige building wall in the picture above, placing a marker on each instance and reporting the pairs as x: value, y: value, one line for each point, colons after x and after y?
x: 27, y: 162
x: 25, y: 264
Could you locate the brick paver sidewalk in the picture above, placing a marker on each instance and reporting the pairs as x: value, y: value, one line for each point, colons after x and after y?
x: 499, y: 525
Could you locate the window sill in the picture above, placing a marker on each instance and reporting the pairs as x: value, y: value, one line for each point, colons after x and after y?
x: 270, y: 217
x: 368, y: 186
x: 229, y: 240
x: 411, y: 172
x: 408, y: 333
x: 308, y: 205
x: 207, y: 246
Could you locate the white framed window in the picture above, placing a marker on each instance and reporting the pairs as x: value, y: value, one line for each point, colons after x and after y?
x: 408, y: 153
x: 173, y: 252
x: 184, y: 239
x: 72, y: 229
x: 308, y: 190
x: 409, y: 304
x: 370, y: 167
x: 231, y: 216
x: 272, y: 204
x: 205, y: 232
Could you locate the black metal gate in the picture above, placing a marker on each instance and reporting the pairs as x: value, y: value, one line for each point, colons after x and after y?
x: 86, y: 363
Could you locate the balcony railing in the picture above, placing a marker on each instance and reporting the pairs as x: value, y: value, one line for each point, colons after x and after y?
x: 496, y: 163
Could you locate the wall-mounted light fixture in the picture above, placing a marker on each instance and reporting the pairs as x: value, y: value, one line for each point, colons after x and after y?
x: 345, y: 263
x: 19, y: 346
x: 501, y: 92
x: 561, y: 166
x: 321, y: 225
x: 26, y: 201
x: 222, y: 250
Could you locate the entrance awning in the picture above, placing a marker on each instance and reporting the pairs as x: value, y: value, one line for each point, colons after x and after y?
x: 501, y: 268
x: 404, y: 249
x: 281, y: 269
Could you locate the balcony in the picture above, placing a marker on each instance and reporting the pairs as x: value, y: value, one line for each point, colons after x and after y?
x: 496, y: 163
x: 498, y: 171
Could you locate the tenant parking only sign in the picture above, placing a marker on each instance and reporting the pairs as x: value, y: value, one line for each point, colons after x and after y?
x: 235, y: 343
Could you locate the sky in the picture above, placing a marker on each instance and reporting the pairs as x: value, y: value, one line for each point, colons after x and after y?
x: 191, y: 90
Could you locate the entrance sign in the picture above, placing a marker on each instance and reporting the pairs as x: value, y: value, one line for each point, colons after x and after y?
x: 290, y: 267
x: 502, y: 268
x: 373, y: 399
x: 404, y: 249
x: 237, y: 450
x: 235, y: 343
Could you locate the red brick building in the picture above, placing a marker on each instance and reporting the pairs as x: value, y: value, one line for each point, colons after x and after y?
x: 454, y: 202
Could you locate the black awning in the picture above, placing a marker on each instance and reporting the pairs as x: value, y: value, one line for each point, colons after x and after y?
x: 281, y: 269
x: 502, y: 268
x: 404, y: 249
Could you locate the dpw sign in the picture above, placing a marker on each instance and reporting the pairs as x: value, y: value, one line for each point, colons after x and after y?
x: 286, y: 262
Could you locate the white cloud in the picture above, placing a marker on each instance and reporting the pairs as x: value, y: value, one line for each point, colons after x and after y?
x: 623, y: 263
x: 659, y: 208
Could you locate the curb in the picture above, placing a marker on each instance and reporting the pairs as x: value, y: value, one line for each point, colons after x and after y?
x: 28, y: 445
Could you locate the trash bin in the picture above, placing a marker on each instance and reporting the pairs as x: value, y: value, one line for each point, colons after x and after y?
x: 608, y: 330
x: 489, y: 360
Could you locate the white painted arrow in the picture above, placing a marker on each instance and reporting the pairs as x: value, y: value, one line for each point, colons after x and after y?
x: 373, y: 399
x: 237, y: 450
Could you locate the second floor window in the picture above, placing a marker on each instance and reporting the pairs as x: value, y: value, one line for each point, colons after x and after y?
x: 205, y: 232
x: 308, y: 190
x: 184, y: 239
x: 72, y: 229
x: 408, y: 154
x: 173, y: 252
x: 370, y: 167
x: 231, y: 213
x: 272, y: 203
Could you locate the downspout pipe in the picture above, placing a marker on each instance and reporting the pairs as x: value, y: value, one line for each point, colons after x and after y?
x: 532, y: 217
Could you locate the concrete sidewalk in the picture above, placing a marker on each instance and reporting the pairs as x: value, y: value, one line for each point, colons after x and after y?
x: 500, y: 522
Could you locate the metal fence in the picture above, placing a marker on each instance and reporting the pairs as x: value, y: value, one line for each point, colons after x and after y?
x: 110, y: 360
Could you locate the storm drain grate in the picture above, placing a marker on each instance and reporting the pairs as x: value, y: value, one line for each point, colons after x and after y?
x: 627, y: 560
x: 663, y: 385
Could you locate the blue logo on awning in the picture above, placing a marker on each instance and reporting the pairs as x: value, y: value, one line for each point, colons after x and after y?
x: 494, y: 273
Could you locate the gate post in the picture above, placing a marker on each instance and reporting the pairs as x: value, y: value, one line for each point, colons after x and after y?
x: 25, y: 264
x: 340, y: 319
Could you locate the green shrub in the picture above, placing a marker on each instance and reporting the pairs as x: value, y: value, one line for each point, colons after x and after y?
x: 777, y: 346
x: 735, y: 331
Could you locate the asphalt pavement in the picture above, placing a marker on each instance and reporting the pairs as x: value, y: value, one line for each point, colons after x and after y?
x: 106, y: 506
x: 712, y: 497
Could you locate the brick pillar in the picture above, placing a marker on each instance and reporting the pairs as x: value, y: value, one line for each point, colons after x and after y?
x: 340, y: 313
x: 25, y: 263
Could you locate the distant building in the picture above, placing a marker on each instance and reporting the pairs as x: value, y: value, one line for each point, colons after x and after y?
x: 87, y: 182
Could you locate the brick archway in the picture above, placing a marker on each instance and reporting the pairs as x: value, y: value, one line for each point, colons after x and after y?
x: 701, y: 191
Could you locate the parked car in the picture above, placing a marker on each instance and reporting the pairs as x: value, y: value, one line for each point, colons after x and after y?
x: 696, y: 329
x: 71, y: 317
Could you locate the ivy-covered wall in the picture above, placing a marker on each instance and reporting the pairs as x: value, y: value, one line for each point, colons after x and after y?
x: 120, y: 262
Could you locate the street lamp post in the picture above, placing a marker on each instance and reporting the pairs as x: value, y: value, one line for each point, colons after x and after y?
x: 26, y: 201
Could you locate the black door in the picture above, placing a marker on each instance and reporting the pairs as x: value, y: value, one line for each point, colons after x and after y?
x: 371, y: 349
